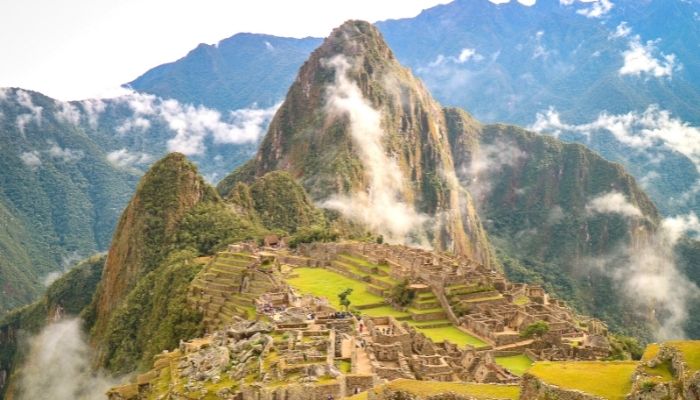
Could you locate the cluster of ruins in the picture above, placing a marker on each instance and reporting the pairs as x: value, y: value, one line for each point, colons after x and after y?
x: 307, y: 349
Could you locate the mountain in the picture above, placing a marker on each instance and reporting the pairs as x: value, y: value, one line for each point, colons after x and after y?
x: 354, y: 120
x: 509, y: 63
x: 59, y: 196
x: 257, y: 68
x: 335, y: 128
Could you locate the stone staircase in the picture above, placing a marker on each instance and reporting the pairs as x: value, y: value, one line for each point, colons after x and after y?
x: 227, y: 288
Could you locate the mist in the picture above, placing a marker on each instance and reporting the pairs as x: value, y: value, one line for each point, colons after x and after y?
x: 381, y: 206
x: 646, y: 272
x: 58, y: 366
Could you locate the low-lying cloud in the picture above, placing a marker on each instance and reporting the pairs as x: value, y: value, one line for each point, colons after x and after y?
x: 381, y: 206
x: 31, y: 159
x: 613, y: 203
x: 125, y: 159
x: 486, y: 164
x: 640, y: 60
x: 646, y: 271
x: 192, y: 125
x: 58, y: 366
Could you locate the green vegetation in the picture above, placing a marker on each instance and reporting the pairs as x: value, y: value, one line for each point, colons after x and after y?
x: 691, y: 352
x: 343, y: 298
x: 401, y: 295
x: 608, y: 379
x: 535, y: 329
x: 516, y: 364
x: 453, y: 335
x: 324, y: 283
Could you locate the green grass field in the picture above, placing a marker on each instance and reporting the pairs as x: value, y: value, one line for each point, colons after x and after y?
x: 607, y: 379
x: 324, y: 283
x: 452, y: 334
x: 515, y: 364
x: 691, y: 352
x: 424, y: 389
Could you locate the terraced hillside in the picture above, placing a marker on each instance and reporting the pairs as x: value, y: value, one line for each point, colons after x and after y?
x: 228, y: 286
x: 372, y: 284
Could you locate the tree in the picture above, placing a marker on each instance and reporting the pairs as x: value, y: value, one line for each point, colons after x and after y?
x: 344, y: 300
x: 402, y: 295
x: 538, y: 329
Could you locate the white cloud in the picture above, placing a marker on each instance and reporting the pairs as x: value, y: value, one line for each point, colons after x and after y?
x: 67, y: 112
x: 465, y: 55
x: 621, y: 31
x: 4, y: 93
x: 31, y: 159
x: 647, y: 274
x: 193, y: 124
x: 540, y: 49
x: 135, y: 123
x: 642, y: 131
x: 64, y: 154
x: 269, y: 46
x: 123, y: 158
x: 381, y: 206
x: 613, y: 203
x: 639, y: 60
x: 486, y: 163
x: 93, y: 108
x: 24, y: 99
x: 58, y: 366
x: 596, y: 8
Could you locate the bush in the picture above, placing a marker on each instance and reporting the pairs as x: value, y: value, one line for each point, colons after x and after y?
x: 536, y: 329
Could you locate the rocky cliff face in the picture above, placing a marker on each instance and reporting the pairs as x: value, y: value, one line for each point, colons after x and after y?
x: 364, y: 137
x: 170, y: 189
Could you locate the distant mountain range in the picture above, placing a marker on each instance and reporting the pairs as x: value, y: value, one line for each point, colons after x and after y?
x: 571, y: 62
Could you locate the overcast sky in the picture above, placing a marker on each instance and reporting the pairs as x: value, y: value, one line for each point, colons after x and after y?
x: 75, y: 49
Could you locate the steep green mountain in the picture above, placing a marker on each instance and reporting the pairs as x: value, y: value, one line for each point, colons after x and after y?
x: 68, y: 295
x: 172, y: 221
x: 364, y: 137
x: 534, y: 193
x: 59, y: 196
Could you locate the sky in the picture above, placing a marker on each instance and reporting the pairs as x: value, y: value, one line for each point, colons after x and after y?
x: 76, y: 49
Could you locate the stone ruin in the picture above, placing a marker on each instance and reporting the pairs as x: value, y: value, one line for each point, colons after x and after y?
x: 299, y: 352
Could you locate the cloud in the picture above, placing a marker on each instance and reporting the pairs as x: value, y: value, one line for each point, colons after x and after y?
x: 64, y: 154
x: 269, y: 46
x: 31, y: 159
x: 465, y: 55
x: 193, y: 124
x: 527, y: 3
x: 93, y: 108
x: 613, y: 203
x: 5, y: 93
x: 136, y: 123
x: 68, y: 113
x: 58, y: 366
x: 485, y: 164
x: 621, y: 31
x: 381, y: 206
x: 642, y: 131
x: 596, y: 8
x: 540, y: 49
x: 24, y: 99
x: 124, y: 159
x: 648, y: 277
x: 639, y: 60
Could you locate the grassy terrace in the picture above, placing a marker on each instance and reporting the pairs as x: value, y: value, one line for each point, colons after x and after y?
x: 515, y: 364
x: 324, y: 283
x: 479, y: 391
x: 691, y: 352
x: 607, y: 379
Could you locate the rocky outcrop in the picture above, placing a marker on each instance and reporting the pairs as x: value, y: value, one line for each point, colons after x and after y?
x: 532, y: 388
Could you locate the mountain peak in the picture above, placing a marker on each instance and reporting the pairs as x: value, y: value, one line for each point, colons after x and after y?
x: 354, y: 38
